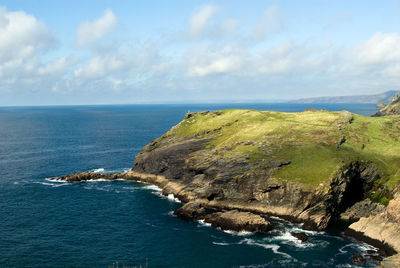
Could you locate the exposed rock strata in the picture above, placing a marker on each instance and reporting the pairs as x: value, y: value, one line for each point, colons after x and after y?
x: 264, y: 195
x: 361, y: 209
x: 383, y: 228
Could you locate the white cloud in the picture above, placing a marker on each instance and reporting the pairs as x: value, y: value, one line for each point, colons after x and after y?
x: 21, y: 35
x: 268, y: 23
x: 89, y: 32
x: 203, y: 62
x: 381, y: 47
x: 100, y: 66
x: 54, y: 67
x: 198, y: 20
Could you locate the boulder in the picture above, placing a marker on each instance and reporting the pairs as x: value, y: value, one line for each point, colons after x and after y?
x: 301, y: 236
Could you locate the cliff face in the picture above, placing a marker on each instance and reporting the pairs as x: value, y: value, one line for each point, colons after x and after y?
x: 383, y: 228
x: 393, y: 108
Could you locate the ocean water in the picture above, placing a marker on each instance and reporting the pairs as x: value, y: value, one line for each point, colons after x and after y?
x: 101, y: 224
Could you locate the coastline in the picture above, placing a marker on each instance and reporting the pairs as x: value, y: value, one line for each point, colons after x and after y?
x: 172, y: 188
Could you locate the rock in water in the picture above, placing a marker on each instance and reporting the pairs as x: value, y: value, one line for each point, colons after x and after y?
x: 238, y: 221
x: 191, y: 211
x: 301, y: 236
x: 358, y: 259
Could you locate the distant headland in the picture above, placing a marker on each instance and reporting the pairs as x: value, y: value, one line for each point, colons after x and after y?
x: 383, y: 98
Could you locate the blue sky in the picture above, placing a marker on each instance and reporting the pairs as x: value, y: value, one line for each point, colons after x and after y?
x: 112, y: 52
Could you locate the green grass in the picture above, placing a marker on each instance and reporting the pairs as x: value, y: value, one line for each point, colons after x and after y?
x: 309, y: 140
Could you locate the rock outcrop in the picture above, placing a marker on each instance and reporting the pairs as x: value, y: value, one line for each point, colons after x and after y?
x: 383, y: 228
x: 238, y: 221
x: 364, y: 208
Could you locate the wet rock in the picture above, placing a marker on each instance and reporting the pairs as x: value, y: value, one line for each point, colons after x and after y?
x: 238, y: 221
x: 86, y: 176
x: 374, y: 257
x: 358, y: 259
x: 191, y: 211
x: 301, y: 236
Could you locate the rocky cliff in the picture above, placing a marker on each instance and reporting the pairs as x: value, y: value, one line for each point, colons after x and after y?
x: 233, y: 167
x: 393, y: 108
x: 383, y: 228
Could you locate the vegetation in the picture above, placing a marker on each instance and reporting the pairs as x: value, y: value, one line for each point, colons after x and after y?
x: 312, y: 145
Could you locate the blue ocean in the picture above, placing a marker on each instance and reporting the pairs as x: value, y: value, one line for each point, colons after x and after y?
x: 126, y: 224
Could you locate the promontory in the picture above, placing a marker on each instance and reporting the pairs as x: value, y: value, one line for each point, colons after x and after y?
x: 231, y: 168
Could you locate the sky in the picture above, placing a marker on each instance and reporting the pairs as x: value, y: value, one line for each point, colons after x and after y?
x: 126, y: 52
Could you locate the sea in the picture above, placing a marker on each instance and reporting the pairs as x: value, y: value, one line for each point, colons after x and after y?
x: 44, y: 223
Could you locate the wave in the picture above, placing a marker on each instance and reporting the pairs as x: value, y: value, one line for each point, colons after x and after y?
x: 173, y: 198
x: 52, y: 183
x: 55, y: 179
x: 221, y: 243
x: 203, y: 223
x: 240, y: 233
x: 97, y: 170
x: 96, y: 180
x: 363, y: 247
x: 273, y: 247
x: 107, y: 171
x: 151, y: 187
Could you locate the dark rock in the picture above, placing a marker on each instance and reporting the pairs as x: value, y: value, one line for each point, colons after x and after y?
x: 374, y: 257
x: 358, y: 259
x: 86, y: 176
x: 191, y: 211
x: 301, y: 236
x: 364, y: 208
x: 190, y: 115
x: 238, y: 221
x: 284, y: 163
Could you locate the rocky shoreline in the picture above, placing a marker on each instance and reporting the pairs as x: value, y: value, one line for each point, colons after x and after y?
x: 237, y: 217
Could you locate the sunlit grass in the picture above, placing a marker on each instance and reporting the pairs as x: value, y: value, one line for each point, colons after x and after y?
x: 316, y: 143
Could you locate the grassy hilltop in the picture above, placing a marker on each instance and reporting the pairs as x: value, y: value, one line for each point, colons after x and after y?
x: 311, y: 145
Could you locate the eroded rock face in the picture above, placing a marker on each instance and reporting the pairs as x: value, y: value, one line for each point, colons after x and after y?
x: 238, y: 221
x: 383, y: 228
x: 364, y: 208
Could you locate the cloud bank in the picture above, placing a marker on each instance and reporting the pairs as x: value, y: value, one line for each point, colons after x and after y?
x: 213, y: 57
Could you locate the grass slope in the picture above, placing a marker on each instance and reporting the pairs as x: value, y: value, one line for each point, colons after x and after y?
x: 316, y: 143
